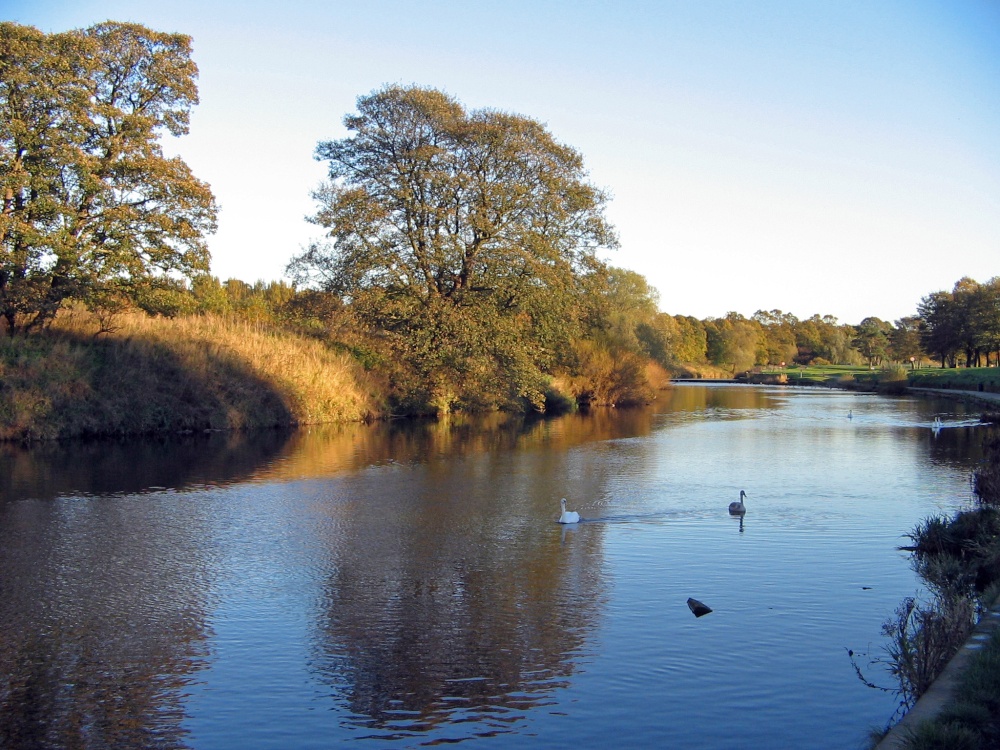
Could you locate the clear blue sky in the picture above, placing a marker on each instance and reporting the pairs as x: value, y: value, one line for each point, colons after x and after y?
x: 832, y: 157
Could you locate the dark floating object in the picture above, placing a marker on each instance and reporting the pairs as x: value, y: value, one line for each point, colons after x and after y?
x: 738, y: 508
x: 866, y: 588
x: 699, y: 608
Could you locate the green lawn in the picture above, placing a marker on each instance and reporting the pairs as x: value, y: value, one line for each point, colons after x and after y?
x: 964, y: 378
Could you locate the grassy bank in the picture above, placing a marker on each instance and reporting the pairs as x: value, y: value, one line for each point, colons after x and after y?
x: 967, y: 378
x: 167, y: 375
x: 958, y: 557
x: 971, y: 721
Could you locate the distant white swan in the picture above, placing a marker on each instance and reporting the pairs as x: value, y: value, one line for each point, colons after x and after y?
x: 568, y: 516
x: 737, y: 508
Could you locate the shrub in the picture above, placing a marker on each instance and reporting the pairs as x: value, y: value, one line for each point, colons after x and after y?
x: 922, y: 641
x: 986, y: 479
x: 892, y: 379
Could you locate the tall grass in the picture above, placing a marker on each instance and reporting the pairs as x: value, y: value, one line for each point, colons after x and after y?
x: 190, y: 373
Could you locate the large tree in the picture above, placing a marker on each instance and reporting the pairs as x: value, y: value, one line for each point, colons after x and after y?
x: 904, y: 340
x: 91, y: 206
x: 462, y: 236
x: 733, y: 341
x: 940, y: 326
x: 778, y: 340
x: 966, y: 319
x: 872, y: 340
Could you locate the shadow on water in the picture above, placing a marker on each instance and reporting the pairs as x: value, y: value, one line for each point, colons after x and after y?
x: 110, y: 466
x: 125, y: 466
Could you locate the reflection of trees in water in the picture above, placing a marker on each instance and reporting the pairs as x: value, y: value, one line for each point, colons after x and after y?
x: 455, y: 606
x: 960, y: 447
x: 731, y: 401
x: 101, y: 624
x: 106, y: 466
x: 325, y: 450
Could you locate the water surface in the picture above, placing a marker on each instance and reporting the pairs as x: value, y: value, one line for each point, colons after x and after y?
x: 403, y: 585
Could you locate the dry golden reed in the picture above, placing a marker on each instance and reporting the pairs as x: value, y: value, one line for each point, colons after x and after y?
x: 188, y: 373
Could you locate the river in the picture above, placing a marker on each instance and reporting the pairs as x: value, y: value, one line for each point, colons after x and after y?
x: 399, y: 585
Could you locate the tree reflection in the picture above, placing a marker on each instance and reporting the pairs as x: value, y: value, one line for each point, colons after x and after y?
x: 106, y: 466
x: 100, y: 627
x: 447, y: 600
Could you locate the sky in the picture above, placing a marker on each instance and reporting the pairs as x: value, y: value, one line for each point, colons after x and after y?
x: 835, y: 158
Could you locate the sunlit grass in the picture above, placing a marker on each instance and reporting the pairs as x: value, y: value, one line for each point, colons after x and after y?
x: 157, y: 374
x: 965, y: 378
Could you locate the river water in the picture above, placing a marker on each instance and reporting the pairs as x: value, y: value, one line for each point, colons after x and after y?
x: 402, y: 585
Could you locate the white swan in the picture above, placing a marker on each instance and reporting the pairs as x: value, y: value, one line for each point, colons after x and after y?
x: 568, y: 516
x: 737, y: 508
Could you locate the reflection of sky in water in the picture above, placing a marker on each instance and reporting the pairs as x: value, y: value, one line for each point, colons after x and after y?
x: 407, y: 584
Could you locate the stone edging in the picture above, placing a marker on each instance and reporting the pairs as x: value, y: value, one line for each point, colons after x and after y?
x: 942, y: 689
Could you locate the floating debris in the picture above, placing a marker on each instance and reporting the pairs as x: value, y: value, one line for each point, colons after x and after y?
x: 699, y: 608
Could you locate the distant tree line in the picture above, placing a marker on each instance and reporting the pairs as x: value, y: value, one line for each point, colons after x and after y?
x: 460, y: 256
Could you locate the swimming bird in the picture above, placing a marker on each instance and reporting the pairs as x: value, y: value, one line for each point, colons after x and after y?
x: 568, y: 516
x: 737, y: 508
x: 850, y: 414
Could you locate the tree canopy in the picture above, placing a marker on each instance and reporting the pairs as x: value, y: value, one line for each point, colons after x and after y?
x: 965, y: 320
x: 463, y: 236
x: 92, y: 208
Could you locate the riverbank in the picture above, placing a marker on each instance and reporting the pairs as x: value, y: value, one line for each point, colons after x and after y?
x: 946, y: 688
x: 157, y: 376
x: 978, y: 397
x: 959, y: 558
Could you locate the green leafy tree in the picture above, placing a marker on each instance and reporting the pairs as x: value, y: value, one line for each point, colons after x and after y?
x: 778, y: 340
x: 92, y: 209
x: 660, y: 338
x: 904, y: 340
x: 940, y: 327
x: 990, y: 320
x: 462, y: 237
x: 872, y: 340
x: 620, y: 301
x: 733, y: 341
x: 691, y: 344
x: 964, y: 321
x: 968, y: 301
x: 823, y: 338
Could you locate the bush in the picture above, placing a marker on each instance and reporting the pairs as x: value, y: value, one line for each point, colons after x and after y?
x: 986, y: 479
x: 893, y: 379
